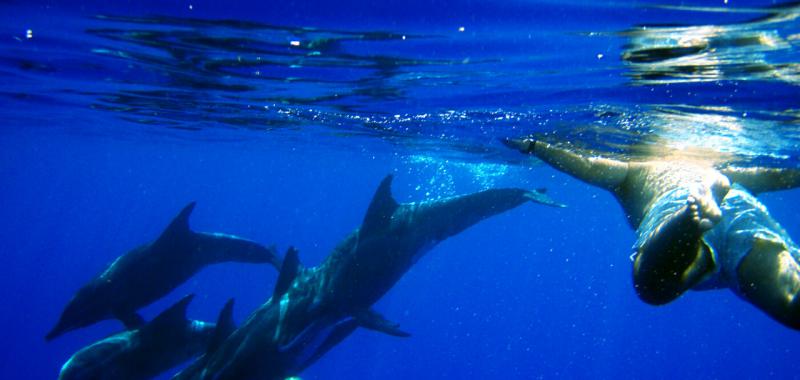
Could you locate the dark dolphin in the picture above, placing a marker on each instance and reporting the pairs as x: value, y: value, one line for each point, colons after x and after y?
x: 149, y: 272
x: 166, y: 341
x: 312, y: 310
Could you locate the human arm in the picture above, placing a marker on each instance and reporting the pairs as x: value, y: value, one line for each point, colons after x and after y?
x: 760, y: 179
x: 598, y: 171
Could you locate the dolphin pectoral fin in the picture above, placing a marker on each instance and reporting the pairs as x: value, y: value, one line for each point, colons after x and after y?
x: 540, y: 196
x: 54, y: 333
x: 372, y: 320
x: 315, y: 340
x: 380, y: 210
x: 341, y: 331
x: 179, y: 227
x: 131, y: 319
x: 59, y: 329
x: 289, y: 270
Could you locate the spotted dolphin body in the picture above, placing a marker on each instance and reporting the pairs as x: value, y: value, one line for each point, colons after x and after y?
x: 311, y: 310
x: 149, y: 272
x: 166, y: 341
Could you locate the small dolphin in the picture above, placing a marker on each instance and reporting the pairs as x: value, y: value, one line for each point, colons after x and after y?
x: 168, y: 340
x: 149, y: 272
x: 312, y: 310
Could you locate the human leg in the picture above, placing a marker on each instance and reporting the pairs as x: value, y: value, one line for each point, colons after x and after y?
x: 769, y: 277
x: 671, y: 256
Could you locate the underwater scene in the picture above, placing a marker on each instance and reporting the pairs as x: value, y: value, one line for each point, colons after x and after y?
x: 418, y: 189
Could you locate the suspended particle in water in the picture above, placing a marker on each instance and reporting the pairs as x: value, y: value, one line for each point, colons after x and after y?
x: 29, y: 34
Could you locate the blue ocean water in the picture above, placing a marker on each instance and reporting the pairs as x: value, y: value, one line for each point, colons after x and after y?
x: 280, y: 119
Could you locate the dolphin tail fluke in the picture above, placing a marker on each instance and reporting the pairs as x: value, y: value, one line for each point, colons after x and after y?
x: 289, y: 270
x: 380, y: 210
x: 540, y: 196
x: 372, y: 320
x: 221, y: 248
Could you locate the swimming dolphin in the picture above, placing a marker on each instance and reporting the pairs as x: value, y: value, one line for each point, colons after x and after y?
x: 149, y: 272
x: 312, y: 310
x: 166, y: 341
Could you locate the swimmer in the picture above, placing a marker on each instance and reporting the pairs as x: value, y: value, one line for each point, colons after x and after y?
x: 673, y: 203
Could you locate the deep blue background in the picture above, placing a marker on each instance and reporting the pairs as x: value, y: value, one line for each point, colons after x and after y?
x: 536, y: 292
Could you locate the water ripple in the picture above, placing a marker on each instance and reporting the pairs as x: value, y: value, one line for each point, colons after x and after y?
x: 727, y: 88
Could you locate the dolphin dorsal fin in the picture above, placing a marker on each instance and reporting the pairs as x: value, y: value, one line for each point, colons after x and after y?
x: 372, y: 320
x: 174, y: 314
x: 179, y: 226
x: 225, y: 327
x: 289, y: 269
x: 380, y: 210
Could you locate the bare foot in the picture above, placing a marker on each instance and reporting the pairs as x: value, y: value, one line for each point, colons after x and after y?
x: 702, y: 206
x: 674, y: 258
